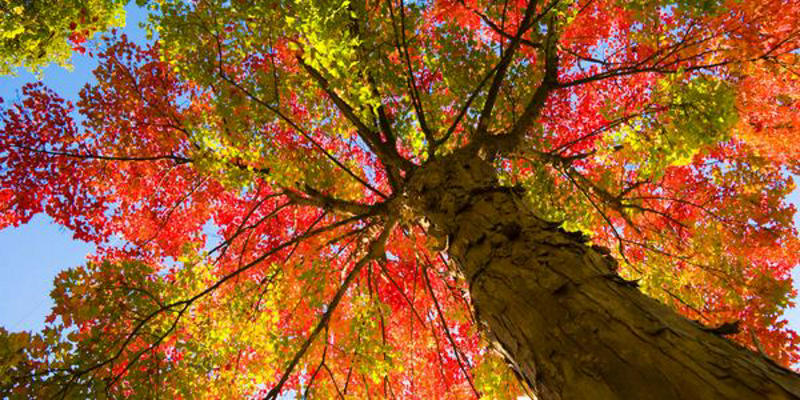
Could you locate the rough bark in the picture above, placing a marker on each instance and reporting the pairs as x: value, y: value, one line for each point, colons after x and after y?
x: 563, y: 318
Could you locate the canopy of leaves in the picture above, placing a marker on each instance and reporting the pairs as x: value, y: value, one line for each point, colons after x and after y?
x: 35, y: 33
x: 661, y: 129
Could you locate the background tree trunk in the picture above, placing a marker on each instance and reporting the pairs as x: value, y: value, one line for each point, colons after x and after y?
x: 563, y: 318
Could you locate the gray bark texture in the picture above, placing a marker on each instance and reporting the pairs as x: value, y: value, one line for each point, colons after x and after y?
x: 560, y: 314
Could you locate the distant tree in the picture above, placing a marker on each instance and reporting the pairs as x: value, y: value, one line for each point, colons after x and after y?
x: 36, y: 33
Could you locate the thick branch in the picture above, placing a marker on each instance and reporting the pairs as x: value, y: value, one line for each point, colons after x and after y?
x: 319, y: 199
x: 509, y: 142
x: 502, y: 68
x: 387, y: 154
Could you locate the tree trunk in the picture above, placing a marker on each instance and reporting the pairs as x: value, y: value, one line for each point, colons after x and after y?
x: 563, y: 318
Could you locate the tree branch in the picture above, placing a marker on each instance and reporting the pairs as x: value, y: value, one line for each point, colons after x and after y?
x: 456, y: 350
x: 502, y: 68
x: 387, y: 154
x: 287, y: 120
x: 318, y: 199
x: 376, y: 249
x: 402, y: 48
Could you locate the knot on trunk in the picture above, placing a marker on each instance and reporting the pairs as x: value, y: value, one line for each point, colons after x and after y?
x: 442, y: 188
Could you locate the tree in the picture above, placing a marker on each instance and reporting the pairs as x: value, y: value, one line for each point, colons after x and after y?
x: 34, y: 34
x: 411, y: 196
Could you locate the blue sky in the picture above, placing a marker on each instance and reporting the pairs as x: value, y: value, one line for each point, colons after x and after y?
x: 31, y: 255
